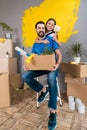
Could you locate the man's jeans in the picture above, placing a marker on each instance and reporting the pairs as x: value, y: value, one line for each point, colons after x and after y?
x: 29, y: 78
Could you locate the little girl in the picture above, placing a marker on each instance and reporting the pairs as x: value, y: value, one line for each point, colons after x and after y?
x: 50, y: 31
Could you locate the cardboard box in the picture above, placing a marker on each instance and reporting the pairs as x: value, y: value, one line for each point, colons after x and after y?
x: 73, y: 79
x: 76, y: 87
x: 78, y: 70
x: 14, y: 81
x: 78, y: 91
x: 7, y: 84
x: 8, y: 65
x: 5, y: 47
x: 41, y: 62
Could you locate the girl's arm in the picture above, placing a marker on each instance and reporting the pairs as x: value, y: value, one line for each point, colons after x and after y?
x: 55, y: 37
x: 42, y: 41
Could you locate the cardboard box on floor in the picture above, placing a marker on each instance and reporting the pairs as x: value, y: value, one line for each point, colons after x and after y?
x: 78, y: 91
x: 8, y: 83
x: 76, y: 87
x: 8, y: 65
x: 78, y: 70
x: 73, y: 79
x: 41, y: 62
x: 5, y: 47
x: 14, y: 81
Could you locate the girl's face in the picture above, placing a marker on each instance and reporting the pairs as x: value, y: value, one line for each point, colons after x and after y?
x: 50, y: 25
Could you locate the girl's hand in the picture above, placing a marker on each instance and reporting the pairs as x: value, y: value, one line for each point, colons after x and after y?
x: 42, y: 41
x: 45, y: 41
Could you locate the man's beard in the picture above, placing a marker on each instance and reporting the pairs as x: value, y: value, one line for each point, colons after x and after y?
x: 41, y: 34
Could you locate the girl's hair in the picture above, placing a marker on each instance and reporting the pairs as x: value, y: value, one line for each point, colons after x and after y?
x: 52, y: 20
x: 48, y: 21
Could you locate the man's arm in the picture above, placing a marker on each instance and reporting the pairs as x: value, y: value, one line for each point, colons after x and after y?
x: 58, y: 53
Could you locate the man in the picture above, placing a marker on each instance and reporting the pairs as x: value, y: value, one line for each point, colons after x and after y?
x: 29, y: 75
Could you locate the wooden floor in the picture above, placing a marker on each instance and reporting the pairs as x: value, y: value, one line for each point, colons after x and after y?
x: 23, y: 114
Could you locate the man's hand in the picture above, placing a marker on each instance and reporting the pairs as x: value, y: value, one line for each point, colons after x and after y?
x: 54, y: 67
x: 26, y: 68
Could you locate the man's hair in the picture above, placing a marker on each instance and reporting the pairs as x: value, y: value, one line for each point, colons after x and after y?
x: 39, y: 22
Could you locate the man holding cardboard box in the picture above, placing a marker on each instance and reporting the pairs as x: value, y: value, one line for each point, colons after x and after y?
x: 29, y: 75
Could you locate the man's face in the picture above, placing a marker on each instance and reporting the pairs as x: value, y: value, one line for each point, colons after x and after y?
x: 40, y: 30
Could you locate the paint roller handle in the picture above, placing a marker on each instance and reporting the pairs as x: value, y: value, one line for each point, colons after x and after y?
x: 21, y: 51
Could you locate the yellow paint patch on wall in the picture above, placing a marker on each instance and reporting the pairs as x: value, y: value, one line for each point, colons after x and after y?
x: 65, y: 12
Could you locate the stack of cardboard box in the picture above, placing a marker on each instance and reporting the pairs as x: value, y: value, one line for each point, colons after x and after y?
x: 75, y: 75
x: 9, y: 78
